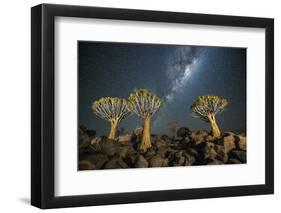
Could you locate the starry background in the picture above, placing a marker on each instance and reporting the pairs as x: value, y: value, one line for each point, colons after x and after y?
x: 176, y: 73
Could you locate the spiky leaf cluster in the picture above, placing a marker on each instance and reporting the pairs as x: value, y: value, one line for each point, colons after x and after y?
x: 111, y: 109
x: 144, y: 103
x: 208, y: 105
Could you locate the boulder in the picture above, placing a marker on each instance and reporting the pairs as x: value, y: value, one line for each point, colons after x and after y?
x: 141, y: 162
x: 150, y: 153
x: 162, y: 151
x: 156, y: 161
x: 210, y: 138
x: 199, y: 136
x: 86, y: 165
x: 96, y: 140
x: 165, y: 162
x: 189, y: 159
x: 160, y: 144
x: 239, y: 155
x: 109, y: 147
x: 242, y: 134
x: 191, y: 151
x: 154, y: 139
x: 183, y: 132
x: 84, y: 139
x: 221, y: 155
x: 124, y: 138
x: 115, y: 163
x: 186, y: 140
x: 138, y: 131
x: 97, y: 159
x: 125, y: 150
x: 228, y: 142
x: 177, y: 159
x: 208, y: 149
x: 131, y: 159
x: 242, y: 144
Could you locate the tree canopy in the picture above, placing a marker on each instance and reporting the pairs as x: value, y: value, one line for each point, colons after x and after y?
x: 111, y: 108
x: 205, y: 106
x: 144, y: 103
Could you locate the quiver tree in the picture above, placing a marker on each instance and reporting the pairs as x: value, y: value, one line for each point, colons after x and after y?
x: 206, y: 108
x: 113, y: 110
x: 144, y: 104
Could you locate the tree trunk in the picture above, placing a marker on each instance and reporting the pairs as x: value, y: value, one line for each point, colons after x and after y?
x: 214, y: 126
x: 113, y: 129
x: 145, y: 141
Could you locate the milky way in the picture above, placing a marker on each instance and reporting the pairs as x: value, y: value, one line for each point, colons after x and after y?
x: 176, y: 73
x: 182, y: 64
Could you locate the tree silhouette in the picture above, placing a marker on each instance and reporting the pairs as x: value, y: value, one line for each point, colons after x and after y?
x: 206, y: 108
x: 113, y: 110
x: 144, y: 104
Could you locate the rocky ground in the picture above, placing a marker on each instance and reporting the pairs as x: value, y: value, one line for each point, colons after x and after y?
x: 188, y: 148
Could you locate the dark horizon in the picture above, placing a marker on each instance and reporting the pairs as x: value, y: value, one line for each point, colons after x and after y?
x: 176, y: 73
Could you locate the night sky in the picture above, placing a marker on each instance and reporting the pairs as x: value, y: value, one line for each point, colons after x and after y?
x: 176, y: 73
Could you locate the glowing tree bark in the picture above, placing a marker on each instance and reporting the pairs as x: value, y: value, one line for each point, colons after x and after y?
x: 144, y: 104
x: 113, y: 110
x: 206, y: 108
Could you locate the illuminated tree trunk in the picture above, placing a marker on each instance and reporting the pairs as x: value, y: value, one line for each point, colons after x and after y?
x: 214, y: 126
x: 113, y: 129
x: 145, y: 141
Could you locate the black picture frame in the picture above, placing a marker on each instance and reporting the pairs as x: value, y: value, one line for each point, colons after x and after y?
x: 43, y: 111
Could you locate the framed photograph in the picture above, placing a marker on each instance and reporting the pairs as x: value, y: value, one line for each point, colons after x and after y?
x: 139, y: 106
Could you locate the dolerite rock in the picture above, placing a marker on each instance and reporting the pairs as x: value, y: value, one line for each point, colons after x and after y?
x: 150, y: 153
x: 239, y: 155
x: 165, y: 138
x: 138, y: 131
x: 162, y: 151
x: 115, y: 163
x: 98, y: 160
x: 186, y: 140
x: 183, y: 132
x: 141, y: 162
x: 242, y: 143
x: 242, y: 134
x: 124, y: 138
x: 189, y: 159
x: 165, y: 162
x: 86, y: 165
x: 84, y: 139
x: 96, y: 140
x: 221, y: 155
x: 228, y: 142
x: 109, y: 147
x: 177, y: 159
x: 154, y: 139
x: 199, y: 136
x: 125, y: 150
x: 160, y: 144
x: 210, y: 138
x: 208, y: 149
x: 189, y: 148
x: 191, y: 151
x: 156, y: 161
x: 131, y: 159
